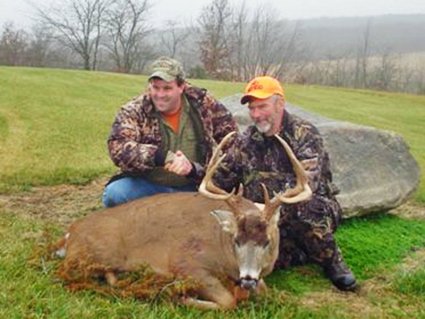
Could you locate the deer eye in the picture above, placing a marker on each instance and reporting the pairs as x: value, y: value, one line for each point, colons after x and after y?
x: 237, y: 242
x: 266, y: 244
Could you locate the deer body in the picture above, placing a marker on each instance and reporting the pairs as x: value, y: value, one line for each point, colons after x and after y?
x: 175, y: 234
x: 211, y: 236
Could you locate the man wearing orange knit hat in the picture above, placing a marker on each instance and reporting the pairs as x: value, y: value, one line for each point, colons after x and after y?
x: 257, y: 157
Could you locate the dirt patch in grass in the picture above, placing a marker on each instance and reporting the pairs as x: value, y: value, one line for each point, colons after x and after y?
x: 364, y: 303
x: 414, y: 262
x: 60, y: 204
x: 410, y: 210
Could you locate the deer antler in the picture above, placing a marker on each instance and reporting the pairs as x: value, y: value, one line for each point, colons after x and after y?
x: 207, y: 187
x: 299, y: 193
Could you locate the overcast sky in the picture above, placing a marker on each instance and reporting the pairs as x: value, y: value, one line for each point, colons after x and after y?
x: 20, y: 12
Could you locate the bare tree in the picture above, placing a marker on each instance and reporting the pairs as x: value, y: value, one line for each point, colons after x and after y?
x: 213, y: 24
x: 265, y: 30
x: 77, y: 24
x: 363, y: 54
x: 39, y: 47
x: 127, y: 28
x: 237, y: 41
x: 173, y: 37
x: 13, y: 45
x: 271, y: 44
x: 261, y: 42
x: 385, y: 71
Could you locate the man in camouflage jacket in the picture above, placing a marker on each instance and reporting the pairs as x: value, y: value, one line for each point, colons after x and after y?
x: 256, y: 156
x: 162, y: 139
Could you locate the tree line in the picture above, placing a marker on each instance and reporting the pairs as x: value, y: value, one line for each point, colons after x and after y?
x: 225, y: 42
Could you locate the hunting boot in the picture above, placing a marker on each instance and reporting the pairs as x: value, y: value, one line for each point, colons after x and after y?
x: 339, y: 273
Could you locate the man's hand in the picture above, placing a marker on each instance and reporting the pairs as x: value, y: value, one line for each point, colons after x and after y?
x: 178, y: 164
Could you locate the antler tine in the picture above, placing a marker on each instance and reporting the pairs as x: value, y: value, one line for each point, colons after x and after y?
x: 302, y: 190
x: 217, y: 150
x: 207, y: 187
x: 269, y: 207
x: 299, y: 193
x: 266, y: 195
x: 234, y: 201
x: 240, y: 190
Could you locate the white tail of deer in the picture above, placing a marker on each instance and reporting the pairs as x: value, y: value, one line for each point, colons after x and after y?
x: 207, y: 236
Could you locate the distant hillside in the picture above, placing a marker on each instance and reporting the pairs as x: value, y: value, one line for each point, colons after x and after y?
x: 340, y: 36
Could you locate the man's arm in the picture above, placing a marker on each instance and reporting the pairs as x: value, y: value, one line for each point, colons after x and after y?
x: 124, y: 147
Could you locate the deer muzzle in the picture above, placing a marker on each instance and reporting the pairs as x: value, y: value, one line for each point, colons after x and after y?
x: 248, y: 283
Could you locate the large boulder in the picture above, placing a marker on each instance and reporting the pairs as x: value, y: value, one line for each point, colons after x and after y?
x: 372, y: 168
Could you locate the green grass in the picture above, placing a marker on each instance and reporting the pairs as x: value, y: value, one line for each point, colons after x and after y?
x: 412, y: 283
x: 56, y: 123
x: 53, y: 130
x: 376, y: 243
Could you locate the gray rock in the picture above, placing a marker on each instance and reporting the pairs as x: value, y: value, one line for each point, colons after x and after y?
x: 373, y: 168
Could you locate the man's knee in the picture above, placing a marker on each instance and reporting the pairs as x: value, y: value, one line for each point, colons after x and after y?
x: 114, y: 195
x: 130, y: 188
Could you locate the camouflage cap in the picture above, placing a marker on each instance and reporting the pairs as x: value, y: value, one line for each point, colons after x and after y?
x: 167, y: 69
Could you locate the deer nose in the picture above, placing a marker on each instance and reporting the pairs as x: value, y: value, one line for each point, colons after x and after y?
x: 248, y: 283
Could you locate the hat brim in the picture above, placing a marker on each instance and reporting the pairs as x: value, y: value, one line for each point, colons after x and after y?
x: 163, y: 76
x: 255, y: 94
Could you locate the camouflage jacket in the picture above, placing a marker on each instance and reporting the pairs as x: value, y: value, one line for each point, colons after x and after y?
x: 255, y: 158
x: 135, y: 140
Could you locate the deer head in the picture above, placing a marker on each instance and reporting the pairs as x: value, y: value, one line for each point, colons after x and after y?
x: 253, y: 227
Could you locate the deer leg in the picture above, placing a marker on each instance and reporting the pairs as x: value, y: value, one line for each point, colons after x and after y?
x: 261, y: 288
x: 240, y: 293
x: 214, y: 294
x: 200, y: 304
x: 110, y: 277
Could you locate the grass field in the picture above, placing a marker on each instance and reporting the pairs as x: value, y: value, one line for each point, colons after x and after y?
x: 53, y: 159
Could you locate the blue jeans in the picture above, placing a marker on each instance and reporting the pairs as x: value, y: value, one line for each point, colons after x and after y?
x: 130, y: 188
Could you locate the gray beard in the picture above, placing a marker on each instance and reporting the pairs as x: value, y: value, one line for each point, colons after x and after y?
x: 263, y: 128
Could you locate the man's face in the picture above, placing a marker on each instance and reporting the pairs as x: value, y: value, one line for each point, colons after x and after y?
x: 267, y: 114
x: 165, y: 95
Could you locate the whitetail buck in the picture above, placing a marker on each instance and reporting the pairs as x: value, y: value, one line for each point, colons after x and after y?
x: 214, y: 237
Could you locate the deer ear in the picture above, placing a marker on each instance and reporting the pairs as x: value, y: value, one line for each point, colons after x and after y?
x: 226, y: 219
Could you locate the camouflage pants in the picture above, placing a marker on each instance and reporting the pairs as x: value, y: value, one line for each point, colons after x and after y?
x: 306, y: 232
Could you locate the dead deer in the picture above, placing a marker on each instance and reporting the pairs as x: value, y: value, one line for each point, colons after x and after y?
x: 217, y: 238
